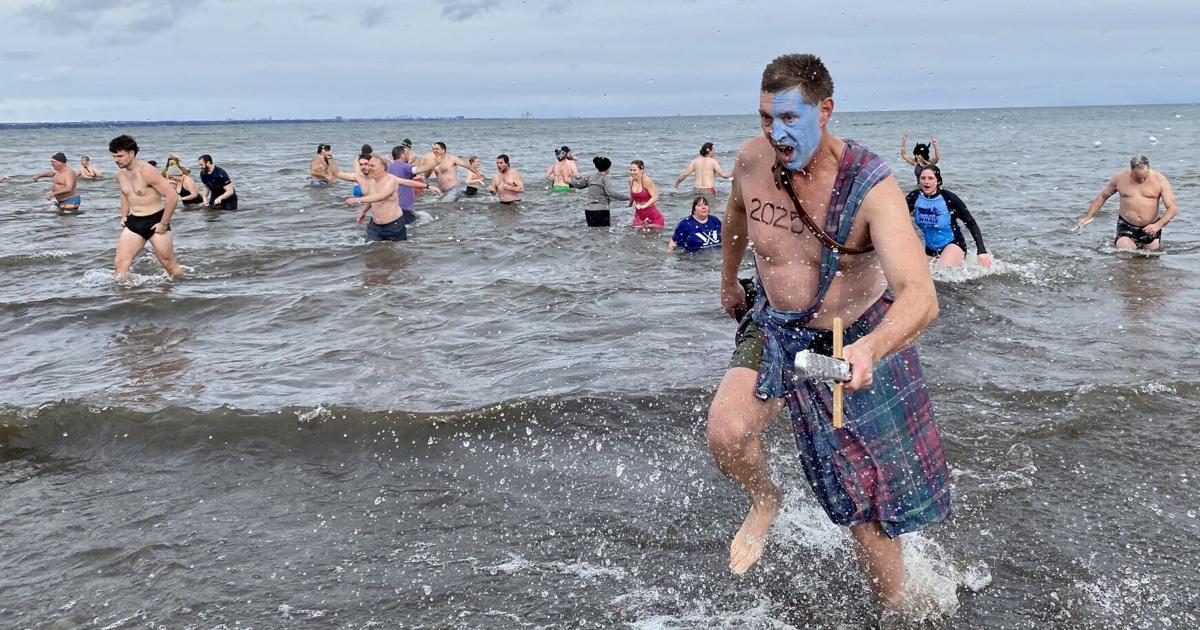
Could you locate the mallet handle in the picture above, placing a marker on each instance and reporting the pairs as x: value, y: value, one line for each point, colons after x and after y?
x: 837, y: 387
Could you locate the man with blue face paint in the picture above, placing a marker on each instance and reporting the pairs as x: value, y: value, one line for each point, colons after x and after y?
x: 831, y: 238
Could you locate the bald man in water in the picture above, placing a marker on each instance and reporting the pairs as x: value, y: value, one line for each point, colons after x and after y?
x: 1138, y: 224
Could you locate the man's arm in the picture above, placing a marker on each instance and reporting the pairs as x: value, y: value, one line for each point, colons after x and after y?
x: 691, y: 168
x: 1168, y: 199
x: 721, y: 171
x: 164, y: 188
x: 390, y: 185
x: 124, y: 208
x: 1109, y: 190
x: 229, y: 191
x: 937, y: 151
x: 467, y: 165
x: 907, y: 271
x: 517, y: 184
x: 41, y: 175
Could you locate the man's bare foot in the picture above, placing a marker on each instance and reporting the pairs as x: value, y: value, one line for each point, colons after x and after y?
x: 749, y: 542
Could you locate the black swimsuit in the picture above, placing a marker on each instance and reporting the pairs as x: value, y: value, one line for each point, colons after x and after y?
x: 189, y: 199
x: 144, y: 226
x: 1135, y: 232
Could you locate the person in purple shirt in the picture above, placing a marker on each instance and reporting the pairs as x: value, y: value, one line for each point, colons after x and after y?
x: 402, y: 167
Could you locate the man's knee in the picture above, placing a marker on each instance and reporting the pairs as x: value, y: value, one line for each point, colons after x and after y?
x: 1126, y: 243
x: 736, y: 414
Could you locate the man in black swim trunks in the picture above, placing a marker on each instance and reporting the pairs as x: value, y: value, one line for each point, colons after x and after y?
x: 1138, y: 223
x: 147, y: 205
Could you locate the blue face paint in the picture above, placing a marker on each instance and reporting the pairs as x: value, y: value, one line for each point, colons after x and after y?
x: 795, y: 124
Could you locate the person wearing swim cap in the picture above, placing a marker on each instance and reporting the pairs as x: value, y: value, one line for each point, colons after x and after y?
x: 831, y: 240
x: 601, y: 193
x: 706, y: 169
x: 507, y: 184
x: 643, y: 194
x: 938, y: 212
x: 920, y: 154
x: 698, y: 231
x: 563, y: 171
x: 63, y: 192
x: 1139, y: 225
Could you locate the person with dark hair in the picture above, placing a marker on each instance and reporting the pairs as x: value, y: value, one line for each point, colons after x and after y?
x: 563, y: 171
x: 706, y: 169
x: 1139, y: 225
x: 367, y: 150
x: 219, y: 191
x: 937, y: 212
x: 63, y: 192
x: 360, y: 171
x: 832, y: 241
x: 147, y: 205
x: 920, y: 154
x: 446, y: 168
x: 507, y: 184
x: 643, y: 194
x: 410, y: 183
x: 601, y: 193
x: 322, y: 170
x: 697, y: 231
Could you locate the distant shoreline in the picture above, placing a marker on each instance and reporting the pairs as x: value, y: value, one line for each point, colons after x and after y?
x: 85, y: 124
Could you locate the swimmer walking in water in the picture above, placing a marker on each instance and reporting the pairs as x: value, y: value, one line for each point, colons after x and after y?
x: 1138, y: 224
x: 147, y: 205
x: 563, y: 171
x: 937, y: 212
x: 63, y: 193
x: 706, y: 169
x: 445, y: 166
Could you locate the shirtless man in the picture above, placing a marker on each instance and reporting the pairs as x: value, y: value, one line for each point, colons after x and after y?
x: 63, y: 192
x: 563, y: 171
x: 322, y: 171
x: 86, y: 170
x: 1138, y: 223
x: 147, y: 204
x: 445, y: 167
x: 706, y: 168
x: 380, y: 199
x: 507, y: 184
x: 883, y: 474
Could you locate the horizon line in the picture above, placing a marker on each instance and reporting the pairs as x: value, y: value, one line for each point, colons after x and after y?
x: 342, y: 119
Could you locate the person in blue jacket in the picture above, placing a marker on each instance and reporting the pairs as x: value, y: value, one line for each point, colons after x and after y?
x: 697, y: 231
x: 937, y: 212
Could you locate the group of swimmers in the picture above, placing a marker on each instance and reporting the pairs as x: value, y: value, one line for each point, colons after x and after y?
x: 831, y: 242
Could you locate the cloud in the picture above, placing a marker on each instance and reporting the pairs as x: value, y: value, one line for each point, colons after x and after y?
x: 66, y: 17
x: 460, y: 10
x: 318, y: 17
x: 19, y: 55
x: 374, y: 16
x: 556, y: 8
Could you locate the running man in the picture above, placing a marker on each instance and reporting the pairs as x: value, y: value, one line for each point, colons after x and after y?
x: 852, y: 254
x: 322, y: 170
x: 86, y: 170
x: 563, y: 171
x: 445, y: 167
x: 63, y: 193
x: 706, y: 169
x: 147, y: 205
x: 219, y: 190
x: 1138, y: 224
x: 507, y: 184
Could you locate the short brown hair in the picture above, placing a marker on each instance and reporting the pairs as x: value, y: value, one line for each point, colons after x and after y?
x: 1139, y: 161
x: 805, y: 72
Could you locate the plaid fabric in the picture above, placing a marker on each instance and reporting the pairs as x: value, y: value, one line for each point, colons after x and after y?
x: 886, y: 463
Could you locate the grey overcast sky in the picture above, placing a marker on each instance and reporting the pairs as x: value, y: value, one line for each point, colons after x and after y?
x: 67, y: 60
